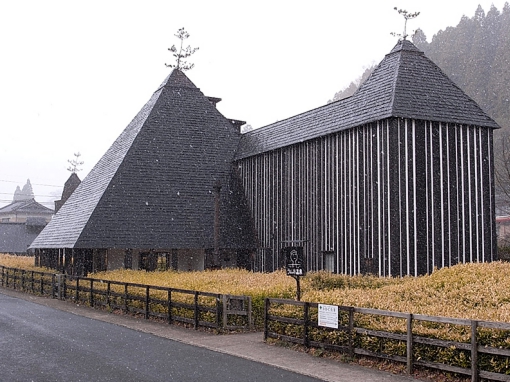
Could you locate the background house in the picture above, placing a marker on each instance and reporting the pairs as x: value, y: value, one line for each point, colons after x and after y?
x: 15, y: 238
x: 21, y: 221
x: 24, y: 206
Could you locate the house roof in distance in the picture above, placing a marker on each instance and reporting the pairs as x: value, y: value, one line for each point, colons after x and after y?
x: 405, y: 84
x: 154, y: 187
x: 25, y: 206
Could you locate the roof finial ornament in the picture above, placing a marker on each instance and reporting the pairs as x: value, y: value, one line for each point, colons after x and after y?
x: 407, y: 16
x: 75, y: 163
x: 182, y: 53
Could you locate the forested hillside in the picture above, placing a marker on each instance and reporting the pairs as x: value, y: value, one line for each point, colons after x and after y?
x: 476, y: 56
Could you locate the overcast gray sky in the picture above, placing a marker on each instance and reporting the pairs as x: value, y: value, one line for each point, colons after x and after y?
x: 74, y: 73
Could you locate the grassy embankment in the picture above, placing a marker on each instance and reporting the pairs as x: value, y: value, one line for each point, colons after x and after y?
x: 473, y: 291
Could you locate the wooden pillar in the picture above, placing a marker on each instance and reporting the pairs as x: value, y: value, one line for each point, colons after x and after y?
x: 44, y: 258
x: 216, y: 253
x: 68, y: 261
x: 37, y: 259
x: 60, y: 265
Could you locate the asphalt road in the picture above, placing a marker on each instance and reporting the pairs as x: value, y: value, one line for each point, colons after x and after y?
x: 39, y: 343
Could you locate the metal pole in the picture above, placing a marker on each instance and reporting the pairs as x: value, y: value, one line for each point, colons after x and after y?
x: 298, y: 287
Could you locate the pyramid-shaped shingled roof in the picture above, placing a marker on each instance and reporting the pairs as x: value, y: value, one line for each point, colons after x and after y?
x: 154, y: 187
x: 405, y: 84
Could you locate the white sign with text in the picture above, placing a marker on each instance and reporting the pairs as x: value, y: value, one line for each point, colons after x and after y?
x: 328, y: 316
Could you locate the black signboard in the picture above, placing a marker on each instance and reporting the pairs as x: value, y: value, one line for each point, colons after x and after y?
x: 294, y: 261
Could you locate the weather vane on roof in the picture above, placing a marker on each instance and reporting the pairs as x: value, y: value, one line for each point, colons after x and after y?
x: 182, y: 53
x: 407, y: 16
x: 75, y: 163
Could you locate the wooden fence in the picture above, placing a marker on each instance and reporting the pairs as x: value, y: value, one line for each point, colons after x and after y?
x: 41, y: 283
x: 193, y: 308
x: 410, y: 341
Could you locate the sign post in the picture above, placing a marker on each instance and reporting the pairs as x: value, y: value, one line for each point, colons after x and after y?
x: 295, y: 266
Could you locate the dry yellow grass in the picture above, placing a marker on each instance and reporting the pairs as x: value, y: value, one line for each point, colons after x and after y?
x: 22, y: 262
x: 228, y: 281
x: 473, y: 291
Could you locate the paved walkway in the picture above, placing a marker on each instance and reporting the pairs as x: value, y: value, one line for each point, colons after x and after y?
x: 246, y: 345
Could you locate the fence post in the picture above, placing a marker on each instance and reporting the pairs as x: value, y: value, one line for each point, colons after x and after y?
x: 91, y: 296
x: 22, y: 280
x: 250, y: 319
x: 32, y: 281
x: 169, y: 306
x: 351, y: 332
x: 225, y: 318
x: 409, y: 344
x: 195, y: 325
x: 53, y: 289
x: 59, y: 286
x: 126, y: 297
x: 147, y: 302
x: 306, y: 320
x: 218, y: 311
x: 108, y: 291
x: 77, y: 295
x: 474, y: 351
x: 266, y: 317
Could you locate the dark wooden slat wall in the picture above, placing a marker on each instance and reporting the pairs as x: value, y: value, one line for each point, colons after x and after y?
x: 396, y: 197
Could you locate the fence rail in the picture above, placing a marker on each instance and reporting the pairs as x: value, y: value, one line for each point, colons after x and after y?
x: 35, y: 282
x: 296, y: 322
x: 194, y: 308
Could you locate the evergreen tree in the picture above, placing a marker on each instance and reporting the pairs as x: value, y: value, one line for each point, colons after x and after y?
x: 26, y: 193
x: 499, y: 82
x: 420, y: 39
x: 477, y: 71
x: 353, y: 86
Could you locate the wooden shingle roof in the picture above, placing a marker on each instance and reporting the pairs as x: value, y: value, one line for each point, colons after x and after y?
x: 405, y: 84
x: 153, y: 188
